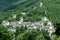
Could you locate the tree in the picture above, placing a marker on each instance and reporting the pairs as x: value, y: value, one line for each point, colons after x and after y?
x: 5, y: 34
x: 33, y: 34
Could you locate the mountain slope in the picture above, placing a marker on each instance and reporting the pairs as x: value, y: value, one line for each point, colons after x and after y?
x: 14, y: 4
x: 52, y: 7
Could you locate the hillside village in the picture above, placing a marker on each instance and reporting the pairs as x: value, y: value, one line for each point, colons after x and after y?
x: 44, y: 24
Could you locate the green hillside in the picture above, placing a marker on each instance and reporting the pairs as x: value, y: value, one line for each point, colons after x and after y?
x: 15, y: 4
x: 52, y: 7
x: 4, y: 4
x: 12, y: 10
